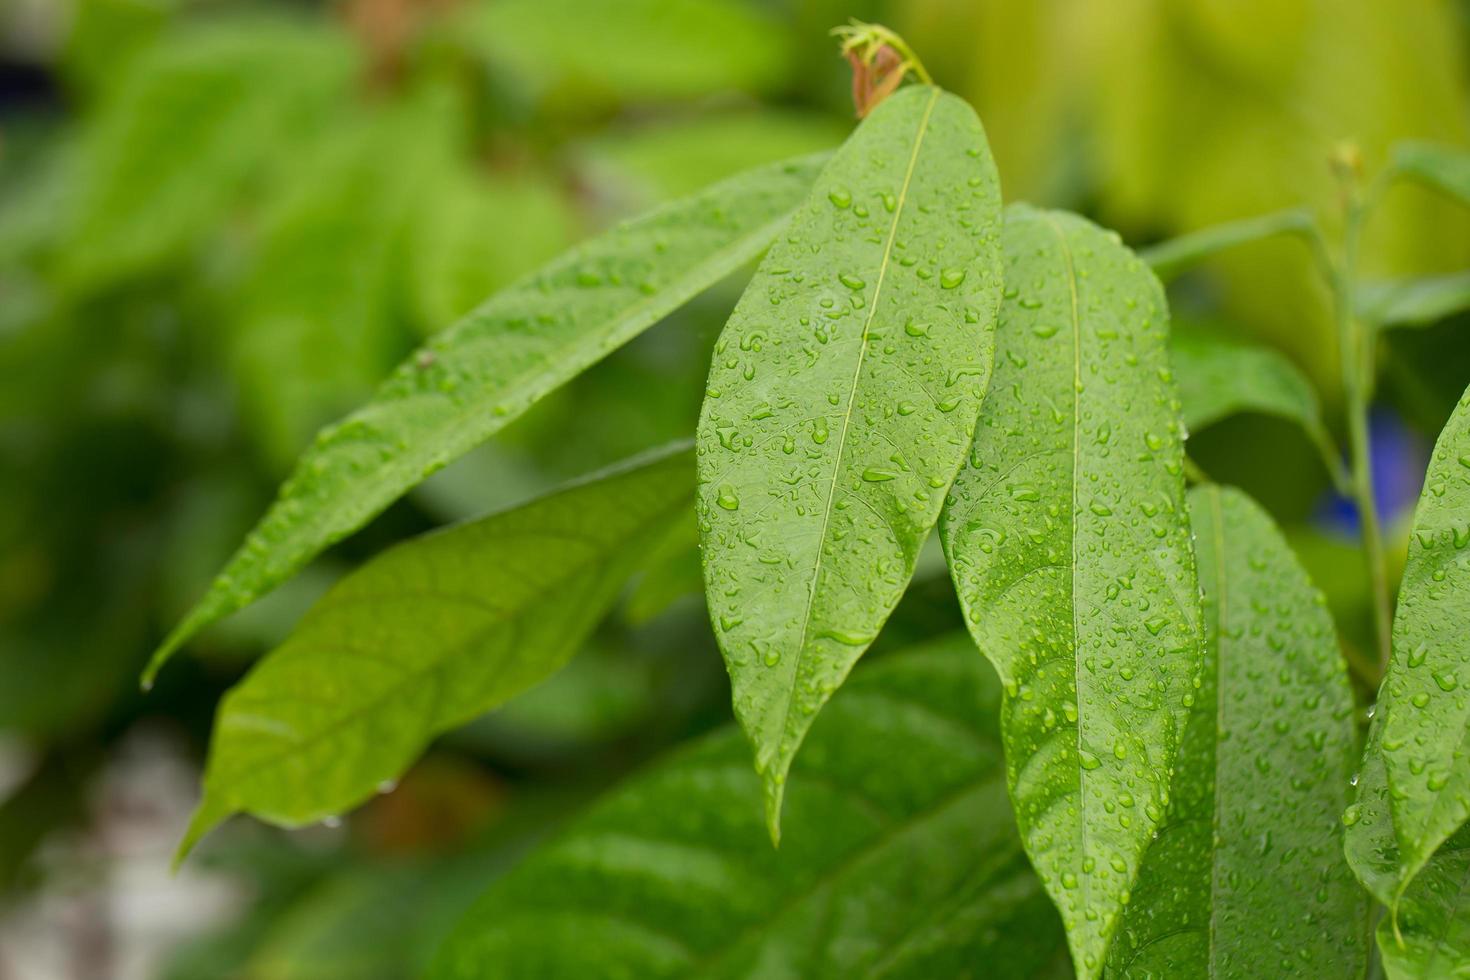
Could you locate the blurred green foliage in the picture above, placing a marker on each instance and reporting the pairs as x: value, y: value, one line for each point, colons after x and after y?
x: 223, y: 221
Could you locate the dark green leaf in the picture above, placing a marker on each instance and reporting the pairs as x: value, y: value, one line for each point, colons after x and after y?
x: 1177, y: 255
x: 474, y: 378
x: 1247, y: 877
x: 425, y: 637
x: 841, y: 401
x: 1414, y: 763
x: 900, y: 858
x: 1430, y: 938
x: 1414, y: 302
x: 1068, y: 540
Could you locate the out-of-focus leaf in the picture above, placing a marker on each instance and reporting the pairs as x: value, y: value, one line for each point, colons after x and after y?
x: 589, y: 51
x: 474, y: 378
x: 192, y: 121
x: 425, y: 637
x: 313, y: 317
x: 1444, y: 168
x: 1177, y: 255
x: 900, y: 857
x: 1414, y: 763
x: 1068, y: 541
x: 841, y: 400
x: 680, y: 157
x: 1431, y: 939
x: 1261, y: 780
x: 478, y: 233
x: 1414, y: 302
x: 105, y: 35
x: 671, y: 575
x: 1219, y: 377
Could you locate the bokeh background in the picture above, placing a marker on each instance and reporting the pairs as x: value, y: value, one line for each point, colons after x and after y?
x: 222, y: 221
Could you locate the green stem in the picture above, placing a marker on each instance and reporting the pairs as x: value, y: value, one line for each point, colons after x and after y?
x: 1356, y: 342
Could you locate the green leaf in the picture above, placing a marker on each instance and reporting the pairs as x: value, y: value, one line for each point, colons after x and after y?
x: 1247, y: 877
x: 483, y: 372
x: 1219, y: 377
x: 1068, y: 541
x: 1444, y: 168
x: 1431, y: 937
x: 1414, y: 302
x: 425, y: 637
x: 191, y: 122
x: 1420, y: 730
x: 900, y: 858
x: 840, y: 403
x: 1177, y: 255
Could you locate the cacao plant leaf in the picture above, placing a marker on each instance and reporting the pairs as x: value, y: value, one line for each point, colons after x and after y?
x: 1068, y: 540
x: 900, y: 859
x: 1219, y: 376
x: 840, y: 403
x: 1414, y: 302
x: 1247, y: 877
x: 1420, y: 726
x: 1176, y: 256
x: 1443, y: 168
x: 426, y: 636
x: 471, y: 380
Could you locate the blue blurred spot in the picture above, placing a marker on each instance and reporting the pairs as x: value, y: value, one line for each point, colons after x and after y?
x: 1399, y: 458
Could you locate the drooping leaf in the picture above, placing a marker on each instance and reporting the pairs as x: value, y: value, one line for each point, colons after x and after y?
x: 1068, y: 541
x: 1423, y: 713
x: 841, y: 400
x: 425, y: 637
x: 1177, y: 255
x: 1430, y: 937
x: 900, y: 859
x: 1414, y: 302
x: 477, y: 376
x: 1247, y: 878
x: 1219, y: 377
x: 191, y: 121
x: 1444, y: 168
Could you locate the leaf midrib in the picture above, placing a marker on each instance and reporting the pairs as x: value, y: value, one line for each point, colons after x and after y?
x: 883, y: 267
x: 1221, y: 611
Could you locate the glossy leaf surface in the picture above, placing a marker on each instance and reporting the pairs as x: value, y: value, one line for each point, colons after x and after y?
x: 1431, y: 938
x: 1247, y: 877
x: 477, y: 376
x: 1068, y: 541
x: 427, y: 636
x: 840, y: 403
x: 1420, y: 729
x: 900, y: 857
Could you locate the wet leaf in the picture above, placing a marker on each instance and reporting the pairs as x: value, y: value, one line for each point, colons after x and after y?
x: 1247, y: 878
x: 841, y: 401
x: 486, y: 370
x: 900, y: 858
x: 1431, y: 938
x: 1414, y: 302
x: 427, y: 636
x: 1419, y: 732
x: 1068, y: 540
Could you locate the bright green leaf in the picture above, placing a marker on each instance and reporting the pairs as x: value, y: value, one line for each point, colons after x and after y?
x: 900, y: 857
x: 1068, y: 540
x: 474, y: 378
x: 1219, y: 377
x: 1444, y: 168
x: 1414, y: 302
x: 425, y: 637
x: 840, y: 403
x: 1177, y: 255
x: 1423, y: 710
x: 190, y: 122
x: 1261, y: 779
x: 1431, y: 937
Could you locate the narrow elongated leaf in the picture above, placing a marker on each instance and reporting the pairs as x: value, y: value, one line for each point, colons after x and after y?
x: 1420, y: 729
x: 841, y: 401
x: 425, y: 637
x: 1219, y: 377
x: 1177, y: 255
x: 1414, y: 302
x: 1247, y: 878
x: 486, y: 370
x: 1068, y: 540
x: 901, y: 859
x: 1444, y: 168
